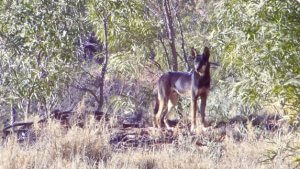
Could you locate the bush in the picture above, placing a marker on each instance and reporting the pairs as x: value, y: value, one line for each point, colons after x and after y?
x: 258, y: 44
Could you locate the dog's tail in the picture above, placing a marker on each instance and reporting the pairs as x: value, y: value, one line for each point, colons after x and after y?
x: 156, y: 105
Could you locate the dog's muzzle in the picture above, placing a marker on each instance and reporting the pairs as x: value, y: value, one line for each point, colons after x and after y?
x: 201, y: 69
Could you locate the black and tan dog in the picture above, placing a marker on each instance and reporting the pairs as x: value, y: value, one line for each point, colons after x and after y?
x: 195, y: 84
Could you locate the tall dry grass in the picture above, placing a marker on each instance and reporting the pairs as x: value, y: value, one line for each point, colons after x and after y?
x: 89, y: 148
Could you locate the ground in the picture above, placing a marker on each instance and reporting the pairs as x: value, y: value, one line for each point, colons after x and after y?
x: 99, y: 146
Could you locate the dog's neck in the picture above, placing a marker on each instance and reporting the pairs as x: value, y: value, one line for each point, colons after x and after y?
x: 202, y: 78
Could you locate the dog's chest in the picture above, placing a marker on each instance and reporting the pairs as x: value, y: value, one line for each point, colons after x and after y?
x: 202, y: 91
x: 200, y: 84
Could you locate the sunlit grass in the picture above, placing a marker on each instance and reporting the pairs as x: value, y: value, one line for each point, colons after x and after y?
x: 57, y: 147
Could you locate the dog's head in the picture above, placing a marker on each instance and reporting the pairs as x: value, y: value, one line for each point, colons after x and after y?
x: 201, y: 61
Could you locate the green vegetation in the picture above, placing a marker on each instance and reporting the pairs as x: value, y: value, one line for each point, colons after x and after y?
x: 106, y: 55
x: 259, y: 45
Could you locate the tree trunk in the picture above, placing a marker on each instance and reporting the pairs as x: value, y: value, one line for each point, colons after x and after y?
x: 166, y: 52
x: 171, y: 33
x: 187, y: 66
x: 103, y: 70
x: 27, y: 109
x: 13, y: 115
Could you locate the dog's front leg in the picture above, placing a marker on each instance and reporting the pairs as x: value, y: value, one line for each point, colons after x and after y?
x: 193, y: 113
x: 202, y: 110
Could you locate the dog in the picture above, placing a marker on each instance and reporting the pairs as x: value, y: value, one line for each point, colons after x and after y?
x: 194, y: 84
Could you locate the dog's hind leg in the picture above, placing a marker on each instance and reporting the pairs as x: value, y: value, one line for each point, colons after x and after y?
x: 171, y: 103
x: 159, y: 114
x: 155, y: 110
x: 164, y: 89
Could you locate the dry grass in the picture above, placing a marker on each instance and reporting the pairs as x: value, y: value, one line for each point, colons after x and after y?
x: 87, y: 148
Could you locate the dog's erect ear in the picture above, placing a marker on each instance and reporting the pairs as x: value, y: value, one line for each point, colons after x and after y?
x: 206, y: 52
x: 193, y: 53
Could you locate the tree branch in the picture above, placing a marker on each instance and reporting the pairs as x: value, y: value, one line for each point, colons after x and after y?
x: 166, y: 52
x: 87, y: 90
x: 171, y: 33
x: 104, y: 67
x: 182, y: 42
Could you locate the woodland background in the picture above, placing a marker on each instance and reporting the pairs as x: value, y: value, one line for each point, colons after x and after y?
x: 95, y: 55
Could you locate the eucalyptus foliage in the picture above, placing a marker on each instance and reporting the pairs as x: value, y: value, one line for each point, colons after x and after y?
x: 258, y: 43
x: 128, y: 30
x: 126, y: 23
x: 37, y: 49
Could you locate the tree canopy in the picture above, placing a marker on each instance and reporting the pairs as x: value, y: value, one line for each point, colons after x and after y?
x: 255, y: 42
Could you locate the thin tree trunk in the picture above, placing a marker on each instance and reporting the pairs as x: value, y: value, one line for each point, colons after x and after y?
x: 187, y: 66
x: 171, y: 33
x: 13, y: 115
x: 103, y: 71
x: 44, y: 102
x: 166, y: 52
x: 27, y: 109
